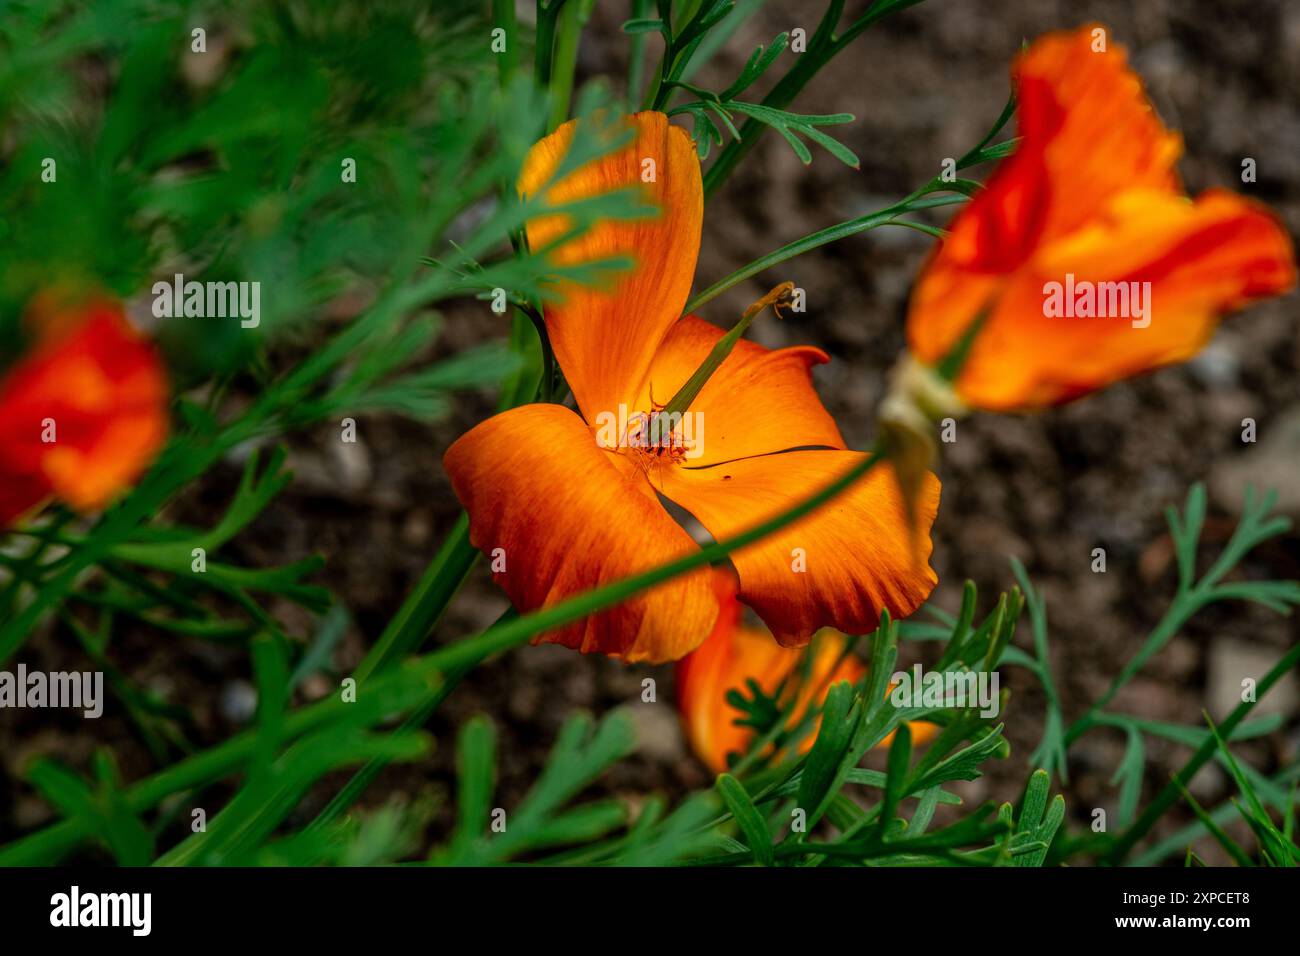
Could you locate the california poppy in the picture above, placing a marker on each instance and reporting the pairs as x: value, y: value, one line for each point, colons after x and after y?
x: 564, y: 503
x: 82, y: 413
x: 1083, y: 259
x: 734, y: 654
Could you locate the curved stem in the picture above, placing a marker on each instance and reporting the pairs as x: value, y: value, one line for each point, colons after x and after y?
x: 851, y: 227
x: 422, y: 608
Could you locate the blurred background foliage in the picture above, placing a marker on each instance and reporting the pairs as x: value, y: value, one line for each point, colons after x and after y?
x: 225, y: 164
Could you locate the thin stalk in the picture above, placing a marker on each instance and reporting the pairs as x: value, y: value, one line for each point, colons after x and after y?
x: 636, y: 55
x: 1178, y: 841
x: 1182, y: 609
x: 363, y: 778
x: 716, y: 38
x: 543, y: 56
x: 822, y: 48
x: 503, y: 16
x: 564, y: 60
x: 422, y: 608
x: 521, y: 629
x: 546, y: 388
x: 27, y: 568
x: 851, y: 227
x: 679, y: 403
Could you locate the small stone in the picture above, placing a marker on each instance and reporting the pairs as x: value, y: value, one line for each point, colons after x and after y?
x: 1216, y: 366
x: 1271, y: 464
x: 658, y: 732
x: 238, y: 701
x: 352, y: 464
x: 1232, y: 661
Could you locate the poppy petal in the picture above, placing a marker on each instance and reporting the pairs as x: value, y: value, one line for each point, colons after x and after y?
x: 1085, y: 119
x: 758, y: 401
x: 840, y: 566
x: 567, y: 517
x: 604, y: 339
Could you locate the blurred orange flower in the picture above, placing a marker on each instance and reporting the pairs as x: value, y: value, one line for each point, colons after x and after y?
x: 562, y: 502
x: 82, y: 414
x: 1086, y: 259
x: 733, y: 654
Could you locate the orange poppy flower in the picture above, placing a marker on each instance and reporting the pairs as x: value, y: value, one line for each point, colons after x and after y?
x: 734, y: 654
x: 1086, y: 259
x: 82, y: 414
x: 565, y: 501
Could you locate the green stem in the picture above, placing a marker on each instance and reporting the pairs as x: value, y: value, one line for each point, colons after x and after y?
x: 636, y: 56
x: 26, y: 570
x: 565, y: 61
x: 716, y: 38
x: 423, y: 606
x: 54, y: 841
x: 1183, y: 607
x: 520, y: 630
x: 363, y: 778
x: 679, y: 403
x: 852, y: 227
x: 820, y: 50
x: 546, y: 387
x: 503, y: 16
x: 543, y: 57
x: 1178, y: 841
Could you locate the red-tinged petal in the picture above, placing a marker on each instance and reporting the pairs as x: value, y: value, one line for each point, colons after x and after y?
x: 1202, y: 260
x: 20, y: 493
x: 1090, y: 192
x: 568, y: 517
x: 1088, y: 133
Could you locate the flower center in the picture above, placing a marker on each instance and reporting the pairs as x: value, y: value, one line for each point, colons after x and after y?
x: 657, y: 437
